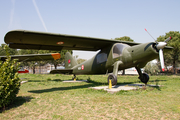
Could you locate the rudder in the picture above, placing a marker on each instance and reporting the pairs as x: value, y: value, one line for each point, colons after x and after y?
x: 69, y: 61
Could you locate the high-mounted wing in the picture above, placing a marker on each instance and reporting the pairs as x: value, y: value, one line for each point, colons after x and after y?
x: 33, y: 57
x: 22, y: 39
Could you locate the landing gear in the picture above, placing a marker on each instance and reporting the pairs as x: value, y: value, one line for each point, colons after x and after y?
x: 74, y: 78
x: 113, y: 79
x: 113, y: 76
x: 142, y: 76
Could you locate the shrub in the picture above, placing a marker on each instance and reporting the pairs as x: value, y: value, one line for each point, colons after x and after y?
x: 151, y: 68
x: 9, y: 80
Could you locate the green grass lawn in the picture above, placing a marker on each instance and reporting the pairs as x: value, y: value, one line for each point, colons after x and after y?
x: 47, y: 97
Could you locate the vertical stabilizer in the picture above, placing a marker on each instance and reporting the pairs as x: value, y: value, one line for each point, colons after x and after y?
x: 69, y: 61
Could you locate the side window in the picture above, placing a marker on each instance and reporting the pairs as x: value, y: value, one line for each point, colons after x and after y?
x: 102, y: 57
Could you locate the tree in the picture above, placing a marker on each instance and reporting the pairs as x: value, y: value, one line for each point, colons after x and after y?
x: 9, y: 80
x: 172, y: 57
x: 33, y: 64
x: 125, y: 38
x: 10, y: 50
x: 151, y: 68
x: 79, y: 61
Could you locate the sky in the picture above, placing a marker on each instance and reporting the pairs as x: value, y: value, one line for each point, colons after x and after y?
x: 107, y: 19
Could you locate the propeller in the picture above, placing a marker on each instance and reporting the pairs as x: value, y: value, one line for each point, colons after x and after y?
x: 160, y: 46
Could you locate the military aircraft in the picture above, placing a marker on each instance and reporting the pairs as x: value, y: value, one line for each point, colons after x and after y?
x: 114, y: 55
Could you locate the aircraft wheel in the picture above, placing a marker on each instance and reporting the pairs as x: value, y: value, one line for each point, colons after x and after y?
x: 145, y: 78
x: 73, y: 78
x: 113, y: 79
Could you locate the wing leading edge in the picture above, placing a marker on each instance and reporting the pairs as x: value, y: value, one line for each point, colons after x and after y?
x: 22, y: 39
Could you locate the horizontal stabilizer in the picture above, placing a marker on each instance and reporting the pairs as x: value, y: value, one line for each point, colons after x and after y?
x: 33, y: 57
x: 61, y: 71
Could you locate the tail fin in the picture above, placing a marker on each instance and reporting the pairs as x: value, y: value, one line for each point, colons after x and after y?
x: 69, y: 61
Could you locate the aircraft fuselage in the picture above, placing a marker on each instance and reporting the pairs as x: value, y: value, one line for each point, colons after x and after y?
x: 130, y: 56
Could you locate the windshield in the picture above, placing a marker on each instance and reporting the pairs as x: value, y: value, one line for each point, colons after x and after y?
x: 118, y: 49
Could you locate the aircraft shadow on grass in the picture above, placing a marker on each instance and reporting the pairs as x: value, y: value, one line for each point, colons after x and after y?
x: 91, y: 83
x: 157, y: 81
x: 56, y: 80
x: 20, y: 100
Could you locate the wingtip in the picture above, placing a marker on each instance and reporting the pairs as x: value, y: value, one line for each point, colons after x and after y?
x: 13, y: 36
x: 56, y: 56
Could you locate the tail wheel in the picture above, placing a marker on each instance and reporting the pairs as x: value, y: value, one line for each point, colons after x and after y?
x: 113, y: 79
x: 145, y: 78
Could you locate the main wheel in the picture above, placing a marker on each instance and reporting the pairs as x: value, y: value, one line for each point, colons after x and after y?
x: 113, y: 79
x: 145, y: 78
x: 73, y: 78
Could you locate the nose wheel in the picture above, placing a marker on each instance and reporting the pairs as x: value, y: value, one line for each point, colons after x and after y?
x: 113, y: 79
x: 144, y: 78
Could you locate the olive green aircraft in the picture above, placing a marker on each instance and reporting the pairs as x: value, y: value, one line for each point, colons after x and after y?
x: 113, y: 55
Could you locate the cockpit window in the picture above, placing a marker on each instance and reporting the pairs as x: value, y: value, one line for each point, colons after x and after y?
x: 117, y: 49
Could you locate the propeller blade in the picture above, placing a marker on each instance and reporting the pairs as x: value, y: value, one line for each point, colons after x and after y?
x: 167, y: 39
x: 150, y: 35
x: 161, y: 45
x: 161, y: 59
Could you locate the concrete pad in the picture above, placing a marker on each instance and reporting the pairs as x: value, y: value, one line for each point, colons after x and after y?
x: 74, y: 81
x: 118, y: 88
x: 114, y: 89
